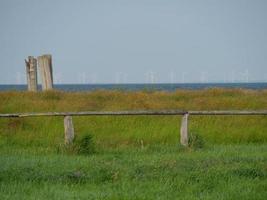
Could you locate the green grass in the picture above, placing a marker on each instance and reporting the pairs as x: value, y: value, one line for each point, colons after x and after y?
x: 155, y: 172
x: 134, y: 157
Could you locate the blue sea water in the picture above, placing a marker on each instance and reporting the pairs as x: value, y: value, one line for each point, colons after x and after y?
x: 136, y: 87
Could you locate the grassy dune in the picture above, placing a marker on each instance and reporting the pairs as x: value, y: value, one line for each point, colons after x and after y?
x: 134, y: 157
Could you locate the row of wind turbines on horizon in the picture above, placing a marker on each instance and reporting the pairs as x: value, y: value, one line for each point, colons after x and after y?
x: 149, y: 77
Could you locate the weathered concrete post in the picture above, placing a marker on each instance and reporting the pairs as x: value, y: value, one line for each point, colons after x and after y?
x: 69, y: 130
x: 184, y: 130
x: 31, y: 73
x: 45, y: 65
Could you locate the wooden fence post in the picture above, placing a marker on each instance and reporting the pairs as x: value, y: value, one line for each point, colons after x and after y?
x: 31, y: 73
x: 69, y: 130
x: 184, y: 130
x: 45, y: 65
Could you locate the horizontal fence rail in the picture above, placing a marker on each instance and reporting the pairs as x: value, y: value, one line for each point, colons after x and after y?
x: 228, y: 112
x: 87, y: 113
x: 140, y: 112
x: 69, y: 128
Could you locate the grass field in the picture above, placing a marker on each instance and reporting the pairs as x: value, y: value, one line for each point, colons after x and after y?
x: 134, y: 157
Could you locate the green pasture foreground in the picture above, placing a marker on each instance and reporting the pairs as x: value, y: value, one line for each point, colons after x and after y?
x: 134, y: 157
x: 155, y: 172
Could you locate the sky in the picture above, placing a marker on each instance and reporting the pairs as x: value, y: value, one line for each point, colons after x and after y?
x: 136, y: 41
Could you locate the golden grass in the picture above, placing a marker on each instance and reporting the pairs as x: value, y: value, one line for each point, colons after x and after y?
x: 208, y: 99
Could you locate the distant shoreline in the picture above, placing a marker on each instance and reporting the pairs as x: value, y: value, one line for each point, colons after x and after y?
x: 141, y: 86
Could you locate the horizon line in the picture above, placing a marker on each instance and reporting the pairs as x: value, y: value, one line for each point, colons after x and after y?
x: 240, y: 82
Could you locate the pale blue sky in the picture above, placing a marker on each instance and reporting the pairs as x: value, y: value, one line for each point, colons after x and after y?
x: 136, y: 41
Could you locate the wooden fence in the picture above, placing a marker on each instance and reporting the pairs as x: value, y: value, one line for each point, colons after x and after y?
x: 69, y: 128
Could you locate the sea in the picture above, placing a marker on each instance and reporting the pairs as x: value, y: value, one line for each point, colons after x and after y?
x: 145, y: 86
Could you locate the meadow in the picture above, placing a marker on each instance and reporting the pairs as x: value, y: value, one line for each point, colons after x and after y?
x: 134, y: 157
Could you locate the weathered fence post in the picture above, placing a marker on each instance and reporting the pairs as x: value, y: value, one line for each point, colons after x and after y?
x: 31, y: 73
x: 69, y: 130
x: 45, y: 65
x: 184, y: 130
